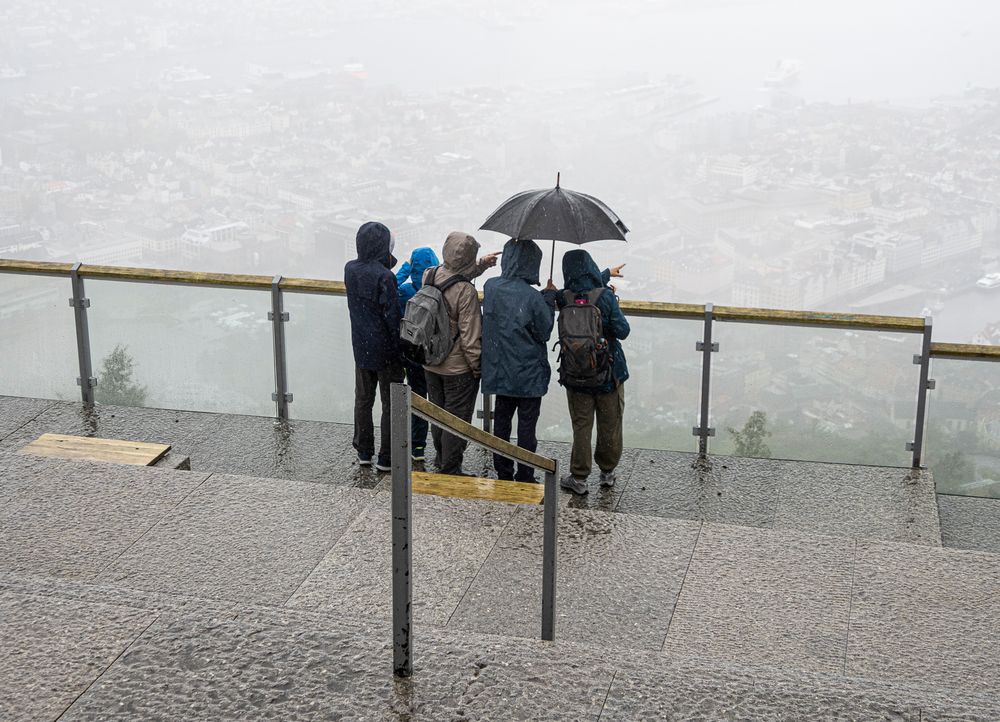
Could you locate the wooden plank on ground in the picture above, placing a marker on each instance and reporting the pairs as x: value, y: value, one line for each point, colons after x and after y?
x: 440, y: 417
x: 474, y: 487
x: 116, y: 451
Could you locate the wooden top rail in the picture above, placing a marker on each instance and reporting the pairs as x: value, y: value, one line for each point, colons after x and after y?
x: 436, y: 415
x: 965, y: 351
x: 862, y: 322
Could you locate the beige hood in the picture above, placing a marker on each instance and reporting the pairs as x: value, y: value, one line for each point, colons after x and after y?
x: 460, y: 251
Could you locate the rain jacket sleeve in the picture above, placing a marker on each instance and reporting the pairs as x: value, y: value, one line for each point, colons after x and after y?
x: 542, y: 319
x: 606, y: 276
x: 470, y: 326
x: 615, y: 318
x: 403, y: 274
x: 388, y: 301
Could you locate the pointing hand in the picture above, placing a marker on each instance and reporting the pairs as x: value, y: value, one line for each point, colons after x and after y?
x: 616, y: 271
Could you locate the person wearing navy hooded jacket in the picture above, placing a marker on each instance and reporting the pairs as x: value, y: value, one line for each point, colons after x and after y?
x: 373, y: 303
x: 410, y: 278
x: 517, y: 325
x: 607, y: 403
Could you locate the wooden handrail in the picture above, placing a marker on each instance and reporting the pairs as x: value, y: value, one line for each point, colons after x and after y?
x: 436, y: 415
x: 965, y: 351
x: 650, y: 309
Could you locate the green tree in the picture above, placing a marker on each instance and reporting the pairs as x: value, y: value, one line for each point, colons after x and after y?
x: 750, y: 441
x: 116, y: 383
x: 953, y: 470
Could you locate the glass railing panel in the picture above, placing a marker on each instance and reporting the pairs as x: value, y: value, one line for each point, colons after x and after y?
x: 38, y: 356
x: 182, y: 347
x: 320, y: 358
x: 814, y: 394
x: 963, y: 428
x: 661, y: 395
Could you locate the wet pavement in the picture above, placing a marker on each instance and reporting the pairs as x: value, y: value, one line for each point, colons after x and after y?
x: 158, y: 594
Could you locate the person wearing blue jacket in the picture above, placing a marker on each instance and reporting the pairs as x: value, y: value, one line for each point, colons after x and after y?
x: 607, y: 403
x: 517, y: 325
x: 373, y: 303
x: 410, y: 278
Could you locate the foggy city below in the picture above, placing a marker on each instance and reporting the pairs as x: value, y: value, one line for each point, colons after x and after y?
x: 769, y: 154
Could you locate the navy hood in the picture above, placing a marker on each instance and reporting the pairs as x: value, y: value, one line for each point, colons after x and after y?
x: 420, y: 260
x: 580, y: 273
x: 521, y: 259
x: 374, y: 242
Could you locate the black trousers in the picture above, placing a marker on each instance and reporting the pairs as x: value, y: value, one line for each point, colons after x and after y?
x: 527, y: 418
x: 417, y: 379
x: 366, y: 383
x: 457, y: 395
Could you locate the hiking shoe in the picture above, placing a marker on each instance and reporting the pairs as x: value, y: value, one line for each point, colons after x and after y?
x: 608, y: 478
x: 577, y: 486
x: 418, y: 454
x: 364, y: 459
x: 383, y: 465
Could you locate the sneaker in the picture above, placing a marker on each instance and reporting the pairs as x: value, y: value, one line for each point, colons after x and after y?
x: 577, y: 486
x: 608, y: 478
x: 383, y: 465
x: 418, y: 454
x: 364, y: 459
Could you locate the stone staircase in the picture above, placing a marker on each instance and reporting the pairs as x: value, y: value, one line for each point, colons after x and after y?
x: 146, y: 593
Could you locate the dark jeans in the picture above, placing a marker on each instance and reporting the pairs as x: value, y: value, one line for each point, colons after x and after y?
x: 418, y: 384
x: 527, y: 417
x: 457, y: 395
x: 366, y: 383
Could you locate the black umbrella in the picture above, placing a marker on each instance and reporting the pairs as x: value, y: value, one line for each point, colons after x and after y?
x: 556, y: 214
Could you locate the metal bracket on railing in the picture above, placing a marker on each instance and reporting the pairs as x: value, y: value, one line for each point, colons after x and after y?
x: 278, y: 317
x: 700, y: 346
x: 80, y: 303
x: 486, y: 413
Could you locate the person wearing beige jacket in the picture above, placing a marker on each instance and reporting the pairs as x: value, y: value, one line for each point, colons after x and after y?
x: 454, y: 383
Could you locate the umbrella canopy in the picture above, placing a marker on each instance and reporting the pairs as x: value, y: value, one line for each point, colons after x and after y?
x: 556, y: 214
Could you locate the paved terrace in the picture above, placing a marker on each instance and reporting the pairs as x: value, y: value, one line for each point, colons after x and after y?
x: 258, y: 584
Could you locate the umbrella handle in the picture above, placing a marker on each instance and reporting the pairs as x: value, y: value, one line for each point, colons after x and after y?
x: 552, y: 262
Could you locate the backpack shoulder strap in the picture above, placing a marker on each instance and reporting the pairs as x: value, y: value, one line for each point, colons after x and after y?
x: 594, y: 294
x: 568, y: 297
x: 457, y: 278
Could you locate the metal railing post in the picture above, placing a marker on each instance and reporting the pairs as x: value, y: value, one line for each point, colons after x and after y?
x: 551, y: 514
x: 402, y: 532
x: 278, y: 316
x: 486, y: 414
x: 926, y: 384
x: 80, y: 303
x: 707, y: 348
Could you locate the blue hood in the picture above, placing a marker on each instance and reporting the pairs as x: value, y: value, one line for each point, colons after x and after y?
x: 374, y: 242
x: 420, y: 260
x: 580, y: 273
x: 521, y: 259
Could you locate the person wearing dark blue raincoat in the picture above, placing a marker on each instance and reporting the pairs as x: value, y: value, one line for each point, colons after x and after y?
x: 373, y: 303
x: 410, y: 278
x: 607, y: 403
x: 517, y: 325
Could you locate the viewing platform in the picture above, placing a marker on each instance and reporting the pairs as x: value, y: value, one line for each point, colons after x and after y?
x: 259, y: 584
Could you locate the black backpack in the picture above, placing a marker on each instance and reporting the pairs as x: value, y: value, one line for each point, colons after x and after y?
x: 585, y: 356
x: 425, y: 330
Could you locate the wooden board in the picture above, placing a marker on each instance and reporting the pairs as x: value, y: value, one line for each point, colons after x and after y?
x: 473, y: 487
x: 967, y: 351
x: 116, y: 451
x: 436, y: 415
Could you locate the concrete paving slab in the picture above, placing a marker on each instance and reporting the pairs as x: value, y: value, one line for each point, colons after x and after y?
x: 246, y: 668
x: 969, y: 522
x: 240, y: 538
x: 178, y: 428
x: 928, y: 616
x: 54, y: 648
x: 70, y: 518
x: 617, y: 579
x: 451, y: 540
x: 761, y: 597
x: 731, y: 490
x: 858, y: 501
x: 15, y: 412
x: 298, y: 450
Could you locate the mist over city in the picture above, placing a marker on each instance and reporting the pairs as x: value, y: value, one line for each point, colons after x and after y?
x: 834, y: 156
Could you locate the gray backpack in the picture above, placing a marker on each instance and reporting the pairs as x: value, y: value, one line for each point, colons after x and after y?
x: 584, y: 357
x: 425, y: 331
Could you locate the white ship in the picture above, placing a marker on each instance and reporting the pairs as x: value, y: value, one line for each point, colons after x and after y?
x: 182, y: 74
x: 989, y: 281
x: 9, y: 73
x: 785, y: 73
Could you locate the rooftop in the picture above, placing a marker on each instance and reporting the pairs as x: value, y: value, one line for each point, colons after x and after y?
x: 258, y: 584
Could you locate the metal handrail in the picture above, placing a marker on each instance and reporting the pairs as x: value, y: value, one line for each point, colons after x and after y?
x: 403, y: 406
